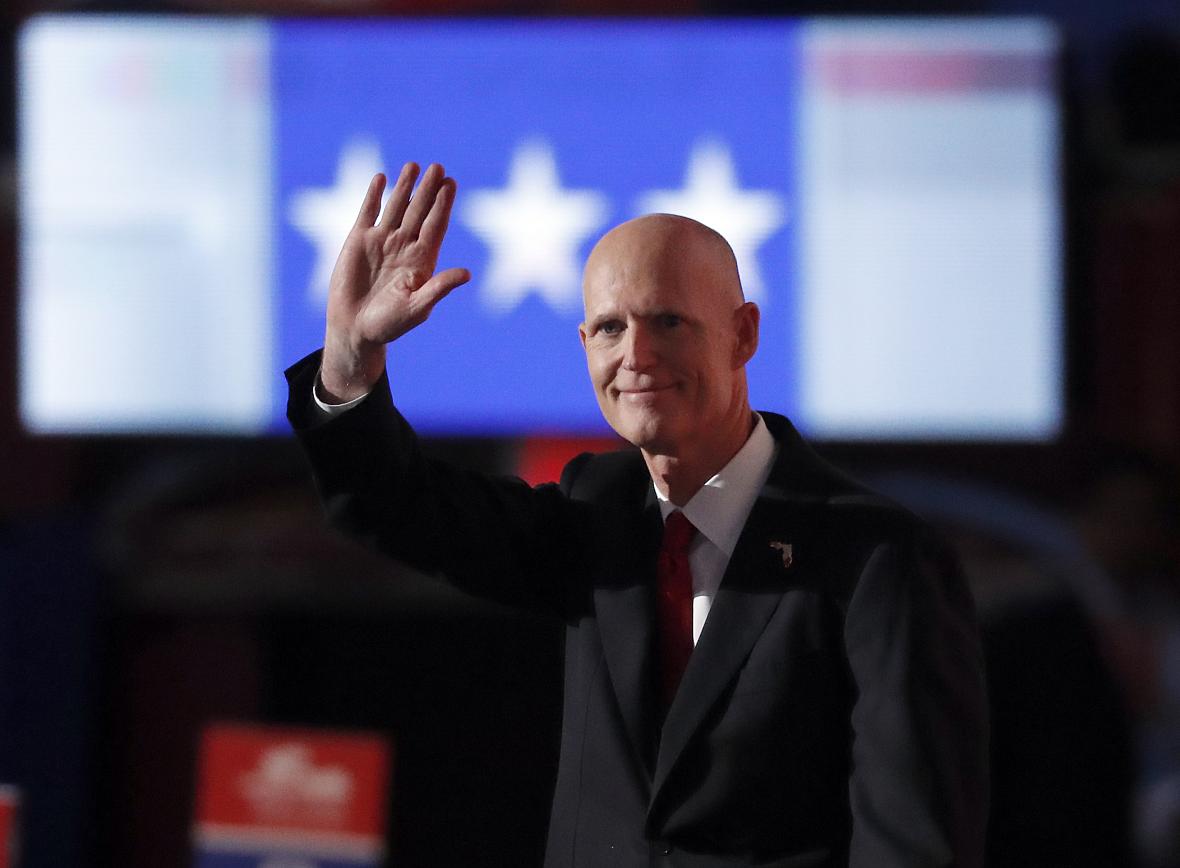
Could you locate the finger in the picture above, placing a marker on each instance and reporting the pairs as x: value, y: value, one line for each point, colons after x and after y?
x: 436, y: 289
x: 372, y: 202
x: 434, y: 227
x: 423, y: 199
x: 399, y: 197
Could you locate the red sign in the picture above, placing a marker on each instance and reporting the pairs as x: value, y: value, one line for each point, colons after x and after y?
x: 320, y: 788
x: 9, y: 815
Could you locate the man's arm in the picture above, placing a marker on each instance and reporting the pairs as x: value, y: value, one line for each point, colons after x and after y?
x: 495, y: 537
x: 919, y: 786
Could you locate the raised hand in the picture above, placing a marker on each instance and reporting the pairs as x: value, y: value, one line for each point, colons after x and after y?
x: 384, y: 283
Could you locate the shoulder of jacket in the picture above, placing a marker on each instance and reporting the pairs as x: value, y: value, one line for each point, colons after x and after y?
x: 605, y: 476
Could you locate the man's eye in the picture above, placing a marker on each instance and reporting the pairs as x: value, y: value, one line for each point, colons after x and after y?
x: 669, y: 320
x: 610, y: 328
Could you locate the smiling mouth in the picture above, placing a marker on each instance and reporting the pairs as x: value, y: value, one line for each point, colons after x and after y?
x: 639, y: 393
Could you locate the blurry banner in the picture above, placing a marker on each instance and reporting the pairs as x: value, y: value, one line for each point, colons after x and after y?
x: 930, y: 233
x: 9, y: 826
x: 889, y: 188
x: 145, y: 202
x: 271, y: 796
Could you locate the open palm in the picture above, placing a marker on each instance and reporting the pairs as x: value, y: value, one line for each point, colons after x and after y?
x: 384, y: 283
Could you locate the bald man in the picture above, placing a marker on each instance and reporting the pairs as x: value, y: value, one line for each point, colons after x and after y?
x: 766, y: 664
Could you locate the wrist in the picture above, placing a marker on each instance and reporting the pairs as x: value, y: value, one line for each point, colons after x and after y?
x: 348, y: 372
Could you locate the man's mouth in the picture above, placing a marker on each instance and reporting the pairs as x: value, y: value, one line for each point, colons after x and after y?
x: 639, y: 392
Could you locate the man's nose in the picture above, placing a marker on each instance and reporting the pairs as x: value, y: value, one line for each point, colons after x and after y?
x: 639, y: 349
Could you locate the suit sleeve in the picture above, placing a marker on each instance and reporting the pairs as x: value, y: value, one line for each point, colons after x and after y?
x: 497, y: 538
x: 919, y: 782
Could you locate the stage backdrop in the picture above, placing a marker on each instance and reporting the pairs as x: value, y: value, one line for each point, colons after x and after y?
x: 890, y: 189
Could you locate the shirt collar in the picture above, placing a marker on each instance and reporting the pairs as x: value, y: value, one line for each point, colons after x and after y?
x: 719, y: 509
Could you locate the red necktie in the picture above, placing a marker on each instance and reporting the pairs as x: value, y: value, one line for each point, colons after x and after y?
x: 674, y: 603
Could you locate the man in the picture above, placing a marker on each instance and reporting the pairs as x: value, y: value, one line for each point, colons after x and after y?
x: 786, y: 674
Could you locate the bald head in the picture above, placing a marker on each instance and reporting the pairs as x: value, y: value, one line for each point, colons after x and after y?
x: 667, y: 337
x: 671, y: 246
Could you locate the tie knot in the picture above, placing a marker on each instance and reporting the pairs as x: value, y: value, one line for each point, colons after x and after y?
x: 678, y: 533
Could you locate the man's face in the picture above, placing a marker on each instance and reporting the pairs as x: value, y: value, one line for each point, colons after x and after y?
x: 665, y: 346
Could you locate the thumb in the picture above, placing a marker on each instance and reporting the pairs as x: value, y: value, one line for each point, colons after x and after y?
x: 435, y: 289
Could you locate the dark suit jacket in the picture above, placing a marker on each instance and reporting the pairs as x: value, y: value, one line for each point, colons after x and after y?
x: 832, y: 712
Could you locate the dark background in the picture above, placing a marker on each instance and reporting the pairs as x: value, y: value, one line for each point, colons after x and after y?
x: 148, y: 586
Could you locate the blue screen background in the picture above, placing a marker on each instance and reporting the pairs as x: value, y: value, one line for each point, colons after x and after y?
x: 620, y: 106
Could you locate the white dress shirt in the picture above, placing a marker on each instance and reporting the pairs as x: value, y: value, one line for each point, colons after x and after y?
x: 719, y: 512
x: 332, y: 410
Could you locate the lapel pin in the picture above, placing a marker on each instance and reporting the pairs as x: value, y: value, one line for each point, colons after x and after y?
x: 787, y: 551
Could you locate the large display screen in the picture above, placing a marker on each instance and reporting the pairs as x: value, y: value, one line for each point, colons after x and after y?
x: 890, y: 189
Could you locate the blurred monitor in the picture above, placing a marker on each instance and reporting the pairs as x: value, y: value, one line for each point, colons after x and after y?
x: 890, y: 187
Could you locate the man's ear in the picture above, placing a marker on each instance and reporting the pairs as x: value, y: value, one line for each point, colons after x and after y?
x: 745, y: 329
x: 582, y: 334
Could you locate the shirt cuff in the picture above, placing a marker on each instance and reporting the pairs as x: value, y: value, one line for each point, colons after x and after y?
x: 330, y: 411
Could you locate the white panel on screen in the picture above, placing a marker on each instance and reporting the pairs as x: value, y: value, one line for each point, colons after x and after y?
x: 144, y: 193
x: 930, y: 240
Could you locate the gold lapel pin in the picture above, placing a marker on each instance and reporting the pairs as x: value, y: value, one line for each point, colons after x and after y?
x: 787, y: 551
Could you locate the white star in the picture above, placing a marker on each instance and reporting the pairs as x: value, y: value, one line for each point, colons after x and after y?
x: 326, y: 214
x: 711, y: 195
x: 534, y: 230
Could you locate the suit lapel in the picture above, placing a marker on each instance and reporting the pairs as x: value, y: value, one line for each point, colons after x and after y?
x: 749, y: 594
x: 626, y: 622
x: 757, y: 576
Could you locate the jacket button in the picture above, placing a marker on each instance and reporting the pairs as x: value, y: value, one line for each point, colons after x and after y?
x: 667, y: 851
